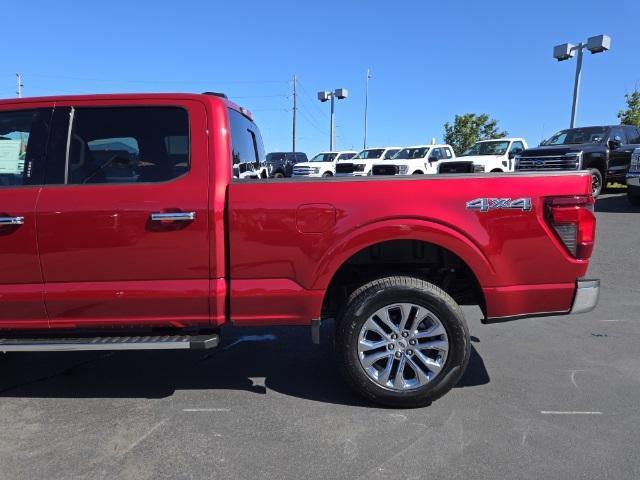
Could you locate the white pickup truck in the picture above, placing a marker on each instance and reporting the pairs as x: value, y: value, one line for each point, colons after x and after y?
x: 415, y: 160
x: 322, y: 165
x: 496, y: 155
x: 360, y: 165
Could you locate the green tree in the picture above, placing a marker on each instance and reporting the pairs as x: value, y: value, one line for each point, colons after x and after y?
x: 631, y: 116
x: 467, y: 129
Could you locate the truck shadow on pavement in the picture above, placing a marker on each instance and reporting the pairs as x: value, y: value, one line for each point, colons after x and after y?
x: 254, y: 360
x: 615, y: 203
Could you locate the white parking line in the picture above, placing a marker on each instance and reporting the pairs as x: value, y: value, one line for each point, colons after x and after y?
x: 551, y: 412
x: 205, y: 410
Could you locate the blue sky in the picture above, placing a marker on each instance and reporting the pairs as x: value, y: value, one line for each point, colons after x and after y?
x: 430, y: 60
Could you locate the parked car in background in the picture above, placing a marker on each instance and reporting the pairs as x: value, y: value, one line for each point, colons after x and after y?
x: 416, y: 160
x: 361, y: 164
x: 633, y: 179
x: 280, y: 164
x: 496, y: 155
x: 603, y: 150
x: 322, y: 165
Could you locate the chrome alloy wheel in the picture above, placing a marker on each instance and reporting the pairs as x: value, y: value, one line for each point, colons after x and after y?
x: 403, y: 346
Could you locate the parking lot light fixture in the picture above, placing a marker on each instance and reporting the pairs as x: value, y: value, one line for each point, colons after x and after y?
x: 340, y: 94
x: 566, y: 51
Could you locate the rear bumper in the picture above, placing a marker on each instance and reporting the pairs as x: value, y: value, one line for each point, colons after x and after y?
x: 507, y: 303
x: 587, y: 295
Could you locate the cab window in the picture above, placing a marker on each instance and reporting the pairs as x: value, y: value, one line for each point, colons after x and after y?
x: 127, y: 145
x: 22, y: 144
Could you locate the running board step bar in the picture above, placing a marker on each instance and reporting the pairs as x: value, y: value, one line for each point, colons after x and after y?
x: 144, y: 342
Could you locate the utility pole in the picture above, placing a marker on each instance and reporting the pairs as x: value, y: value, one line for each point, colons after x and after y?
x: 295, y: 107
x: 20, y: 85
x: 366, y: 106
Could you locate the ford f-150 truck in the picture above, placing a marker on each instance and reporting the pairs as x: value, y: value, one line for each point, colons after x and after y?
x: 122, y: 227
x: 494, y: 156
x: 604, y: 151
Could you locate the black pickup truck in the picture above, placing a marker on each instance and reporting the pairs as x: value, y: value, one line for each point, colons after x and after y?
x: 604, y: 150
x: 280, y: 164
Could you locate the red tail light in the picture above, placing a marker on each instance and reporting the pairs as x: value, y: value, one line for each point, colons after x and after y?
x: 573, y: 220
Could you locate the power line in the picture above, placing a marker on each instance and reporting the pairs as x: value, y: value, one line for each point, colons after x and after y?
x: 156, y: 82
x: 316, y: 107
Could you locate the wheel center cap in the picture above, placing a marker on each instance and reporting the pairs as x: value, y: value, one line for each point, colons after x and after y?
x: 401, y: 344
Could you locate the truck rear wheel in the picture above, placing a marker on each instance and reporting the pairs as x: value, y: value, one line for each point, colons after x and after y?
x: 401, y: 341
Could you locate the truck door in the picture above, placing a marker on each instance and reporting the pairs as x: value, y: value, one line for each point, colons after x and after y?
x: 123, y: 217
x: 620, y: 156
x: 23, y: 136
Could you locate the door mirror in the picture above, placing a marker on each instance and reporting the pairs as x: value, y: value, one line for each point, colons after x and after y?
x: 433, y: 158
x: 615, y: 142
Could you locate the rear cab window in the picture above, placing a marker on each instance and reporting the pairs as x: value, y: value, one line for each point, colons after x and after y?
x: 247, y: 150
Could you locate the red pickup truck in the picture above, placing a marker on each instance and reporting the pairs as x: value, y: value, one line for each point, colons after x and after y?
x: 126, y: 223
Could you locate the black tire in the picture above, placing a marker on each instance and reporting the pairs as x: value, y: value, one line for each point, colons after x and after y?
x: 597, y: 182
x: 496, y: 170
x: 417, y: 172
x: 389, y: 290
x: 634, y: 200
x: 278, y: 175
x: 327, y: 174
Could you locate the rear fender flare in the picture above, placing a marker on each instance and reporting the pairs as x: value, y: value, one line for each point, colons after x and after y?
x: 403, y: 229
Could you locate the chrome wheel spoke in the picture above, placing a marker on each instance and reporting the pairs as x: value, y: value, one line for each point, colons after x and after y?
x: 430, y: 363
x: 405, y: 308
x: 383, y: 315
x: 433, y: 331
x: 367, y: 345
x: 421, y: 375
x: 373, y: 326
x: 383, y: 376
x: 398, y: 382
x: 440, y: 345
x: 369, y: 360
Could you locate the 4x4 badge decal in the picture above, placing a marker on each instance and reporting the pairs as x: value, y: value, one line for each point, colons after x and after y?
x: 486, y: 204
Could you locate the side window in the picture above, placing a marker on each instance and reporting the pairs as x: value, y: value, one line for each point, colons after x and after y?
x: 618, y: 132
x: 436, y: 153
x: 247, y: 150
x: 127, y: 145
x: 633, y: 135
x: 517, y: 147
x: 447, y: 152
x: 390, y: 153
x: 23, y: 137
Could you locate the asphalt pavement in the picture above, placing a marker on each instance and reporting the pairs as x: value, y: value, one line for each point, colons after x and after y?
x: 552, y: 398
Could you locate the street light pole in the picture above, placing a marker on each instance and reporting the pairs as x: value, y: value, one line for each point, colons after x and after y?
x: 366, y: 106
x: 323, y: 96
x: 332, y: 127
x: 597, y: 44
x: 576, y: 85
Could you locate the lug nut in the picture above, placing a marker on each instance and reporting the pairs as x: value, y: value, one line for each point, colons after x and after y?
x: 393, y: 336
x: 405, y: 334
x: 391, y: 346
x: 398, y: 354
x: 409, y: 352
x: 412, y: 342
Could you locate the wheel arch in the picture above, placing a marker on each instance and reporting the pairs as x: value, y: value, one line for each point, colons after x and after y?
x: 432, y: 236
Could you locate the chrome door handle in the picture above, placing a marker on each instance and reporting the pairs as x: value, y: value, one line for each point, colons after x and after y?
x: 11, y: 220
x: 173, y: 217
